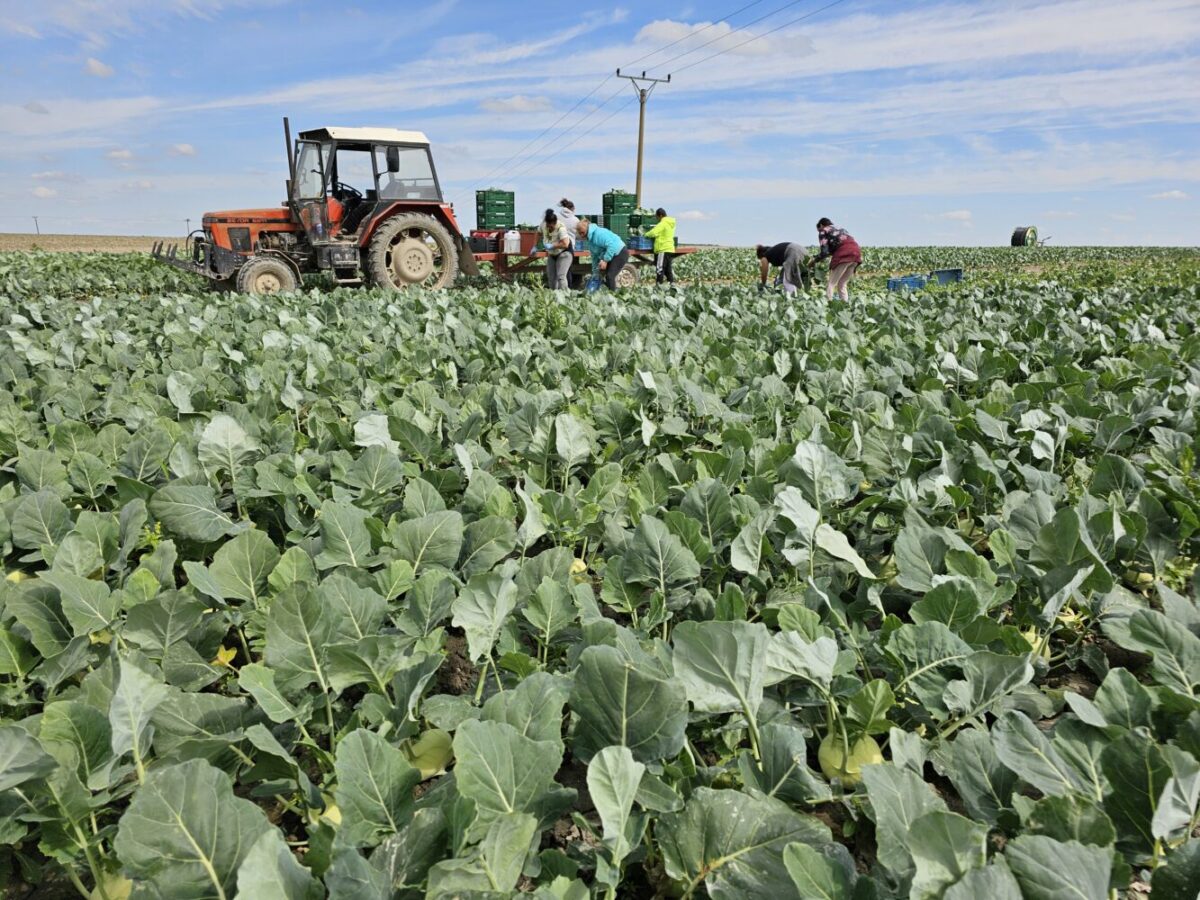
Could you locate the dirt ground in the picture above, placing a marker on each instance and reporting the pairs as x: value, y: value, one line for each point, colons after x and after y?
x: 80, y: 243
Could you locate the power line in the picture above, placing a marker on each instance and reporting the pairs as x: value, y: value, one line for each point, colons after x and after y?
x: 692, y: 34
x: 522, y: 152
x: 722, y: 37
x: 576, y: 140
x: 787, y: 24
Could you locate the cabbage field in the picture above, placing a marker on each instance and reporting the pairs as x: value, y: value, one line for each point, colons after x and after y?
x: 680, y: 593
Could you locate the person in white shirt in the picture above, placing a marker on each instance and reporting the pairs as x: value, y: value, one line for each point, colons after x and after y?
x: 566, y: 215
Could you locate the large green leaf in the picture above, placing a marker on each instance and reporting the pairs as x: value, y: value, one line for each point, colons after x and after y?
x: 80, y: 735
x: 224, y: 445
x: 136, y: 695
x: 898, y: 798
x: 21, y: 757
x: 481, y: 609
x: 1026, y: 751
x: 817, y: 876
x: 658, y: 558
x: 733, y: 843
x: 299, y: 628
x: 270, y: 872
x: 944, y: 846
x: 1135, y: 767
x: 722, y: 664
x: 181, y: 848
x: 374, y: 788
x: 88, y: 605
x: 190, y: 511
x: 613, y: 777
x: 1048, y: 869
x: 241, y: 566
x: 534, y: 707
x: 435, y: 539
x: 486, y: 541
x: 345, y: 540
x: 500, y: 769
x: 618, y: 702
x: 973, y: 767
x: 494, y: 868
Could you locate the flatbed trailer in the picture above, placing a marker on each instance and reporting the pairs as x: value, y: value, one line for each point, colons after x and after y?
x: 509, y: 265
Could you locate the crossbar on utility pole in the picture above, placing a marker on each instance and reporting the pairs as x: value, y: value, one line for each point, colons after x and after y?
x: 638, y: 82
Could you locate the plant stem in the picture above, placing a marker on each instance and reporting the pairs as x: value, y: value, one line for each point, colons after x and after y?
x: 83, y: 892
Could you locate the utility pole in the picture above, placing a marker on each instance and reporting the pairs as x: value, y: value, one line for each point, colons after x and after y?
x: 189, y: 227
x: 36, y: 226
x: 639, y: 83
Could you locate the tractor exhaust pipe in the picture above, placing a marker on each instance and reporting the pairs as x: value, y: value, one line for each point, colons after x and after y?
x: 291, y: 154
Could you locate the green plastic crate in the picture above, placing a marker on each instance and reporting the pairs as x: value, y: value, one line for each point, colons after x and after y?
x: 617, y: 202
x: 494, y: 221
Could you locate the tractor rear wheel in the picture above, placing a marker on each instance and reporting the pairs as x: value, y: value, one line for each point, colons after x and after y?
x: 412, y: 250
x: 265, y: 275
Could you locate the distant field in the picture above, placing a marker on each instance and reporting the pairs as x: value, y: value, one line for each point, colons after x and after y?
x: 79, y: 243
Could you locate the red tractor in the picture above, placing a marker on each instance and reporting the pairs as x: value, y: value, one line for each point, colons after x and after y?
x: 364, y: 204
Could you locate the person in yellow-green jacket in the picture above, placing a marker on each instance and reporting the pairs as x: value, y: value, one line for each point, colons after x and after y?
x: 664, y: 246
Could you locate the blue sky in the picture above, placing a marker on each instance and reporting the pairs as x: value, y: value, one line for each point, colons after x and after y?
x: 907, y: 122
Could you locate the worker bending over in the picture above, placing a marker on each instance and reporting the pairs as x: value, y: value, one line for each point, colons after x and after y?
x: 664, y: 247
x: 609, y: 253
x: 559, y: 244
x: 792, y: 260
x: 844, y: 255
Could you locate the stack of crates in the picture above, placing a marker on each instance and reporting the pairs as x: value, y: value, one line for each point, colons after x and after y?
x: 495, y: 210
x: 619, y: 206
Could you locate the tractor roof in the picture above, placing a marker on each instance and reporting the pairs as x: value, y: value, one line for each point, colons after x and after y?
x: 366, y: 135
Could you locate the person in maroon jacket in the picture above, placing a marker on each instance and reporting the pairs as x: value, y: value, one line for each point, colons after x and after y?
x: 844, y: 256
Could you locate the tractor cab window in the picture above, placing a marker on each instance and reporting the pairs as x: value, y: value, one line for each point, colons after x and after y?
x: 353, y: 178
x: 310, y: 171
x: 406, y: 173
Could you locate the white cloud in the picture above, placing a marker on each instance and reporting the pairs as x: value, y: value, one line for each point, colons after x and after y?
x: 1122, y: 217
x: 119, y: 154
x: 696, y: 215
x: 20, y: 28
x: 691, y: 42
x: 36, y: 108
x: 93, y: 66
x: 1169, y: 195
x: 182, y: 150
x: 957, y: 215
x: 518, y: 103
x: 44, y: 193
x: 49, y: 176
x: 1060, y: 214
x: 138, y: 186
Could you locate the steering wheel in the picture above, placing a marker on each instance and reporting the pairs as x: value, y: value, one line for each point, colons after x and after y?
x: 348, y: 192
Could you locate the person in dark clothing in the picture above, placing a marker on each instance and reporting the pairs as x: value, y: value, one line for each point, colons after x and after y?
x: 792, y: 261
x: 844, y: 255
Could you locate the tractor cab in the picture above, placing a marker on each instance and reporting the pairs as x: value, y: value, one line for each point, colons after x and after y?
x: 363, y: 205
x: 343, y: 174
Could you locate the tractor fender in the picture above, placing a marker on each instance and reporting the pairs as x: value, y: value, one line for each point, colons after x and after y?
x: 433, y: 210
x: 276, y: 254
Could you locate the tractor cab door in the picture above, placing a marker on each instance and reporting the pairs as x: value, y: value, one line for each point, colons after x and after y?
x: 309, y: 191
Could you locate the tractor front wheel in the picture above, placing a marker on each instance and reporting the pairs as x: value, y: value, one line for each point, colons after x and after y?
x: 264, y: 275
x: 412, y: 250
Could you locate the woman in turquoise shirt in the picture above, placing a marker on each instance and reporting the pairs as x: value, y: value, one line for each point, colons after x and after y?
x: 609, y: 253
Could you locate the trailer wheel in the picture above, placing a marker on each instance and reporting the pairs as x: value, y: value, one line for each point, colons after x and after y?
x: 264, y: 275
x: 411, y: 249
